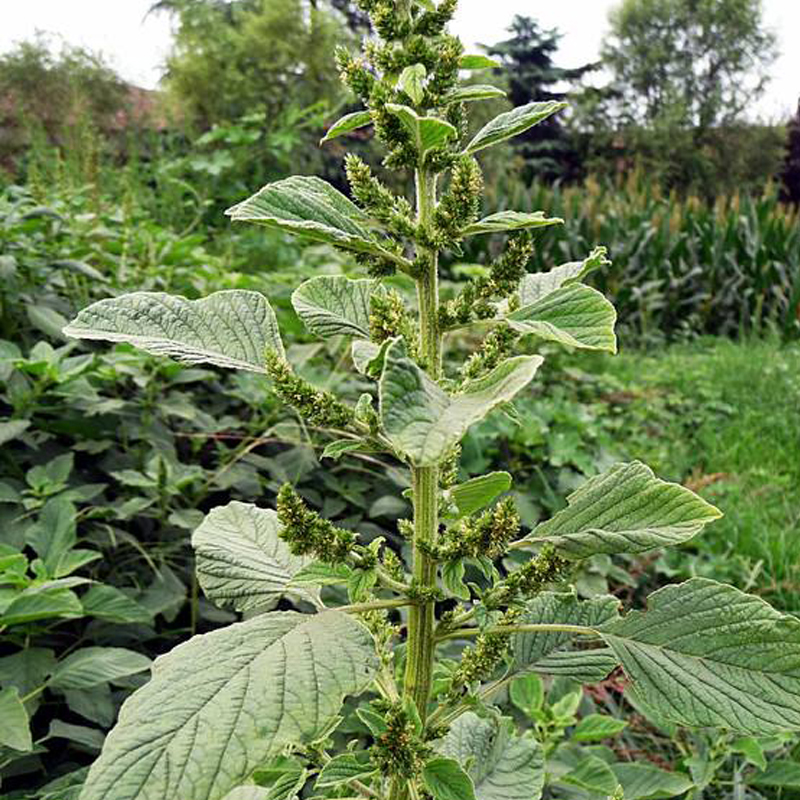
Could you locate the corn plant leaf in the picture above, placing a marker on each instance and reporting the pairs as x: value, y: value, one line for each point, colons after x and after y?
x: 537, y: 285
x: 575, y: 315
x: 477, y: 493
x: 14, y: 728
x: 426, y: 132
x: 330, y: 305
x: 626, y: 510
x: 92, y: 666
x: 412, y: 82
x: 511, y: 221
x: 553, y: 652
x: 224, y: 703
x: 512, y: 123
x: 241, y: 560
x: 423, y: 421
x: 648, y: 782
x: 705, y: 654
x: 232, y: 328
x: 471, y: 61
x: 470, y: 94
x: 347, y: 124
x: 445, y: 779
x: 310, y: 207
x: 502, y: 765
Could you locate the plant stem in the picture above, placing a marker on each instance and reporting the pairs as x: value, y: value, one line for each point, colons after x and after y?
x: 511, y: 629
x: 360, y: 608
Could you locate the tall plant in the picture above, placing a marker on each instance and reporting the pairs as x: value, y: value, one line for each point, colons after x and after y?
x: 255, y: 710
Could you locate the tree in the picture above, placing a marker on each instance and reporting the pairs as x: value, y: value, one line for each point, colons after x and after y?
x: 790, y: 175
x: 527, y: 65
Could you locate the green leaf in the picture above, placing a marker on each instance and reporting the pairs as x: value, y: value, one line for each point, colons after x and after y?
x: 310, y: 207
x: 423, y: 421
x: 752, y: 750
x: 453, y: 579
x: 477, y: 493
x: 91, y: 666
x: 426, y: 132
x: 646, y: 781
x: 248, y: 793
x: 502, y: 766
x: 14, y: 730
x: 347, y: 124
x: 470, y: 94
x: 412, y: 82
x: 42, y: 602
x: 477, y: 62
x: 54, y: 534
x: 12, y: 428
x: 510, y: 221
x: 593, y: 775
x: 596, y: 727
x: 337, y: 449
x: 445, y: 780
x: 575, y: 315
x: 626, y: 510
x: 369, y: 357
x: 330, y: 305
x: 321, y: 574
x: 512, y: 123
x: 232, y: 328
x: 242, y: 562
x: 779, y: 774
x: 527, y: 693
x: 226, y: 702
x: 109, y: 603
x: 705, y: 654
x: 551, y: 653
x: 343, y: 769
x: 536, y: 286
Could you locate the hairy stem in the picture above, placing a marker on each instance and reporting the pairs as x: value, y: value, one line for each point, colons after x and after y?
x: 462, y: 633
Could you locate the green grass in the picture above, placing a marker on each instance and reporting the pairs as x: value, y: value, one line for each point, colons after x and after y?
x: 724, y: 418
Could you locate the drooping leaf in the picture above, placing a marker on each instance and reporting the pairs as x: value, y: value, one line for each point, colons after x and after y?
x: 596, y: 727
x: 477, y: 62
x: 575, y: 315
x: 226, y: 702
x: 705, y: 654
x: 537, y: 285
x: 502, y: 765
x: 426, y: 132
x: 423, y: 421
x: 470, y: 94
x: 347, y: 124
x: 648, y: 782
x: 412, y: 82
x: 511, y: 221
x: 368, y: 357
x: 477, y: 493
x: 14, y: 729
x: 232, y: 328
x: 593, y: 775
x: 344, y: 768
x: 330, y: 305
x: 446, y: 780
x: 242, y: 562
x: 91, y: 666
x: 626, y: 510
x: 552, y: 652
x: 512, y: 123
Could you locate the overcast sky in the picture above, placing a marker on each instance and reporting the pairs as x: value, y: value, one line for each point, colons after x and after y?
x: 137, y: 44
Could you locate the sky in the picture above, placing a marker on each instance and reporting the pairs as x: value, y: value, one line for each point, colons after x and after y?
x: 136, y: 43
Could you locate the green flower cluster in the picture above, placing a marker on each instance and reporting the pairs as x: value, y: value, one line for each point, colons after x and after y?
x: 497, y: 344
x: 531, y: 578
x: 398, y: 752
x: 486, y: 535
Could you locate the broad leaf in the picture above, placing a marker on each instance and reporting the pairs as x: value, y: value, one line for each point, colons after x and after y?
x: 446, y: 780
x: 368, y: 357
x: 347, y: 124
x: 12, y: 428
x: 426, y: 132
x: 470, y: 94
x: 226, y: 702
x: 310, y: 207
x: 512, y: 123
x: 412, y: 82
x: 330, y: 305
x: 552, y: 653
x: 706, y: 654
x: 576, y: 315
x: 423, y: 421
x: 41, y: 602
x: 477, y: 62
x: 92, y: 666
x: 778, y: 774
x: 242, y: 562
x: 477, y: 493
x: 502, y: 766
x: 593, y: 775
x: 511, y: 221
x: 232, y: 328
x: 107, y: 602
x: 626, y: 510
x: 14, y: 730
x: 596, y: 727
x: 344, y: 768
x: 537, y: 285
x: 318, y: 573
x: 648, y: 782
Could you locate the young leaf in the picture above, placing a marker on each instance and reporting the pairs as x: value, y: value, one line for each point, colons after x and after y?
x: 423, y: 421
x: 368, y: 357
x: 647, y: 782
x: 477, y: 62
x: 512, y: 123
x: 337, y: 449
x: 593, y: 775
x: 527, y: 693
x: 477, y: 493
x: 427, y: 132
x: 453, y: 579
x: 537, y: 285
x: 242, y: 562
x: 321, y: 574
x: 14, y: 730
x: 705, y: 654
x: 347, y: 124
x: 232, y: 328
x: 626, y: 510
x: 445, y: 780
x: 576, y: 315
x: 225, y: 702
x: 470, y: 94
x: 502, y: 766
x: 412, y: 82
x: 511, y: 221
x: 330, y: 305
x: 596, y: 727
x: 92, y: 666
x: 343, y: 769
